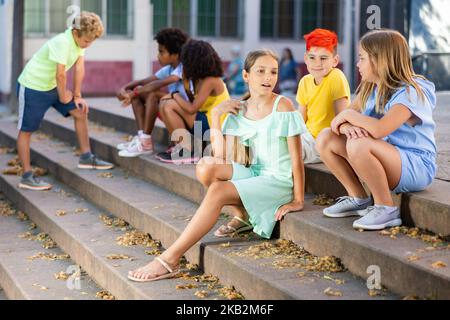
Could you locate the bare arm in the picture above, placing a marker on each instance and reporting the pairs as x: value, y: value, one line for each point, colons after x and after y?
x: 78, y: 77
x: 206, y: 89
x: 157, y: 84
x: 218, y: 141
x: 65, y: 96
x: 298, y: 169
x: 302, y: 110
x: 377, y: 128
x: 340, y: 105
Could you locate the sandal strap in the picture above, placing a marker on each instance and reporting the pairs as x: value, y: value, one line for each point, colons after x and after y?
x: 164, y: 264
x: 242, y: 221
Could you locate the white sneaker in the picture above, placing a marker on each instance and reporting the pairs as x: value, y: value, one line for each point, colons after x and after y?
x: 137, y: 149
x: 347, y: 207
x: 378, y: 218
x: 126, y: 145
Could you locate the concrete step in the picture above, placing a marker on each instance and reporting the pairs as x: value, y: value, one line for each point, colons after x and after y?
x: 416, y: 207
x: 165, y: 216
x: 181, y: 180
x: 87, y: 239
x: 24, y: 278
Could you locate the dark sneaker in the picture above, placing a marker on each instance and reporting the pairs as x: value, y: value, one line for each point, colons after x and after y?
x: 94, y: 163
x: 33, y: 183
x: 182, y: 156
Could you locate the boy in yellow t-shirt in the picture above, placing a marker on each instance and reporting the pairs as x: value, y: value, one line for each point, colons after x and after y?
x: 324, y: 92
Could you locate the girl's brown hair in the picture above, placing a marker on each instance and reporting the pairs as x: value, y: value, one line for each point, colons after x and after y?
x: 391, y: 60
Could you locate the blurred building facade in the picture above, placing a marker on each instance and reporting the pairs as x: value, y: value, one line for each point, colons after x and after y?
x: 128, y: 51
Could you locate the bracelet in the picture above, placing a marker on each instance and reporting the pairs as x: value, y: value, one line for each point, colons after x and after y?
x: 135, y: 92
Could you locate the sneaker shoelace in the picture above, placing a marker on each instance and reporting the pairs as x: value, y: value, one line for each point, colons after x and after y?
x: 342, y: 200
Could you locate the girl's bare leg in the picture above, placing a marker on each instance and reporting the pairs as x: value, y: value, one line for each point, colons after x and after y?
x: 210, y: 170
x: 333, y: 152
x: 219, y: 195
x: 378, y: 163
x: 175, y: 117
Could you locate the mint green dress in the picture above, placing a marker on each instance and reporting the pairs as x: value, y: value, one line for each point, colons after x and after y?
x: 267, y: 184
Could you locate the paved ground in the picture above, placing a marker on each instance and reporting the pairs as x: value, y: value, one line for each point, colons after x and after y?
x: 441, y: 116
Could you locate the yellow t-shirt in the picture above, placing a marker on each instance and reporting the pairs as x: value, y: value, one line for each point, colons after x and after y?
x: 213, y: 102
x: 319, y: 99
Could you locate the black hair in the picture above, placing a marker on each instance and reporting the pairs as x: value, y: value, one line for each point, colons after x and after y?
x: 200, y: 61
x: 173, y: 39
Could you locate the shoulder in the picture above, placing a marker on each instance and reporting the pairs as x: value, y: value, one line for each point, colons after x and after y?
x: 337, y: 75
x: 285, y: 105
x: 59, y: 40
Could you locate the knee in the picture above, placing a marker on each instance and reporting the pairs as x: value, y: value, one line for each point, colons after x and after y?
x: 79, y: 115
x: 323, y: 140
x: 205, y: 171
x: 357, y: 148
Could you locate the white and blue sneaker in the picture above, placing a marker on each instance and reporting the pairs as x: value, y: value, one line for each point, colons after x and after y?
x: 348, y: 207
x: 379, y: 218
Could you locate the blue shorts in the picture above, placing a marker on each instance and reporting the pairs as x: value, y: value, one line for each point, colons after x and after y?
x: 34, y: 104
x: 201, y: 124
x: 418, y: 171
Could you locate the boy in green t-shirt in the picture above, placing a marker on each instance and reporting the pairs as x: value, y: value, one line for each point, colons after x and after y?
x: 43, y: 84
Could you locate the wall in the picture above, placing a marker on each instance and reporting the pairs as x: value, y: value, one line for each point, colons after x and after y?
x: 6, y: 22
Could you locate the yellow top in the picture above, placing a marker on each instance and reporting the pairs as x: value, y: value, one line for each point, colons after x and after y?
x: 213, y: 102
x: 319, y: 99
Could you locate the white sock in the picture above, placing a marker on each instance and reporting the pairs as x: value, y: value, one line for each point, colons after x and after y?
x: 145, y: 136
x: 360, y: 201
x: 140, y: 133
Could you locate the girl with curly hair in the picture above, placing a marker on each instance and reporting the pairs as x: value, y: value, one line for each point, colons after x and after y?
x: 202, y: 75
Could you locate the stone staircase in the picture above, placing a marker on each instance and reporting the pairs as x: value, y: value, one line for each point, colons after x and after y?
x: 159, y: 199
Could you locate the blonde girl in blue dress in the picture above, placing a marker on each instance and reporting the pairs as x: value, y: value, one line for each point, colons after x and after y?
x: 386, y: 139
x: 261, y: 193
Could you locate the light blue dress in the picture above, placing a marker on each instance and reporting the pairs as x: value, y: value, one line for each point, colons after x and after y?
x: 417, y: 145
x: 267, y: 184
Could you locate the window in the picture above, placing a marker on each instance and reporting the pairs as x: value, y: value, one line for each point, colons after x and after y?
x: 204, y: 18
x: 291, y: 19
x: 34, y: 16
x: 47, y: 17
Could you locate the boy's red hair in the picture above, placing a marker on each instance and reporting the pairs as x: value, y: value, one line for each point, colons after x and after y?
x: 322, y: 38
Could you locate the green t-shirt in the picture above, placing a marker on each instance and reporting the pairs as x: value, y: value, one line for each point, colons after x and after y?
x: 40, y: 72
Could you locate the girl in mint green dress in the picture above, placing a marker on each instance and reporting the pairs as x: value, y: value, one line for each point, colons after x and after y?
x: 267, y: 184
x: 260, y: 194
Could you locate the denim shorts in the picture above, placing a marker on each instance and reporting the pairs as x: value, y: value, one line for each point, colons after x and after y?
x: 418, y: 171
x: 201, y: 122
x: 34, y: 104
